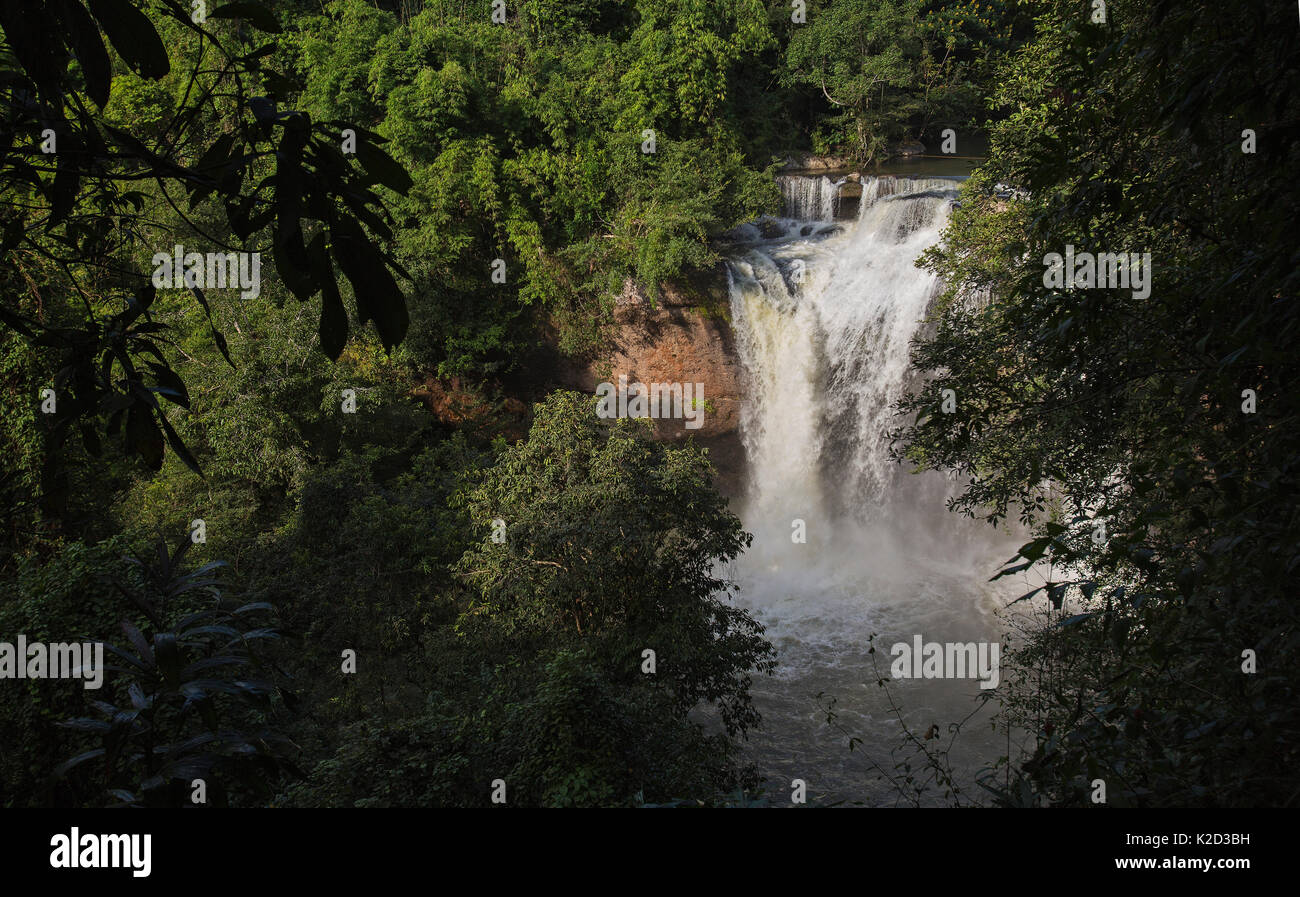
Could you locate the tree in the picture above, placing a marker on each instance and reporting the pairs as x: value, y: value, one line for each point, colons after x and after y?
x: 591, y: 545
x: 1115, y: 420
x: 614, y: 540
x: 884, y: 70
x: 81, y: 197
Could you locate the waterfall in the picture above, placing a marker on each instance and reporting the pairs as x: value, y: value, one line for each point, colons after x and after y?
x: 877, y: 188
x: 823, y: 327
x: 846, y: 543
x: 810, y: 199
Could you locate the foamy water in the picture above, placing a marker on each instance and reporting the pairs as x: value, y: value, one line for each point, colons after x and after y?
x: 824, y: 316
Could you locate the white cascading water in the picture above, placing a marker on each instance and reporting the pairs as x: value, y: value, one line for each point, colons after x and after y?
x: 810, y: 199
x: 824, y: 312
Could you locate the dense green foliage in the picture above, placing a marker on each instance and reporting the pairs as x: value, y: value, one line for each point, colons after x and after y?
x: 1162, y: 493
x: 88, y: 194
x: 499, y: 583
x: 897, y: 68
x: 524, y: 657
x: 570, y: 147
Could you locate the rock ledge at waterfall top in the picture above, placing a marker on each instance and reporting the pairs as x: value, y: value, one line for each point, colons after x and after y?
x: 802, y: 161
x: 908, y: 148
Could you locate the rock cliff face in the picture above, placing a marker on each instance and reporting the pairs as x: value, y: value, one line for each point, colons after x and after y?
x: 682, y: 338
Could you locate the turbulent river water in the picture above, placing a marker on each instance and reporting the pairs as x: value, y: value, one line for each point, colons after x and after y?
x: 824, y: 306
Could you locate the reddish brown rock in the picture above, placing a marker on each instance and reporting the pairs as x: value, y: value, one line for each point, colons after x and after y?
x: 460, y: 406
x: 679, y: 339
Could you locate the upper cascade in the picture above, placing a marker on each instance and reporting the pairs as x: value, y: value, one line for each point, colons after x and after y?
x: 823, y: 199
